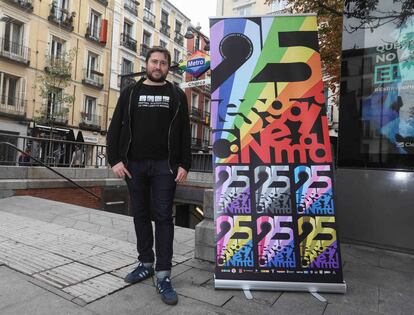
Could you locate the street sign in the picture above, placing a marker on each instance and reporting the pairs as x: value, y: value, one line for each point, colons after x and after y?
x: 196, y: 64
x: 191, y: 84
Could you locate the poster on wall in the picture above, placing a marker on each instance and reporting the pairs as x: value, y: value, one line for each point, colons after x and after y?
x: 274, y: 185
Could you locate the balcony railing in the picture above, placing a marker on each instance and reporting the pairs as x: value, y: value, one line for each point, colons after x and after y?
x: 165, y: 29
x: 179, y: 38
x: 93, y: 78
x: 128, y: 42
x: 58, y: 65
x: 92, y: 32
x: 90, y: 121
x: 12, y: 106
x: 26, y: 5
x: 104, y: 2
x: 61, y: 17
x: 14, y: 51
x: 149, y: 17
x: 59, y: 114
x: 144, y: 50
x: 195, y: 113
x: 196, y: 143
x: 131, y: 6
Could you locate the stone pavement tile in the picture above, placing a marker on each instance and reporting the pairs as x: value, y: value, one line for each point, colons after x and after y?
x: 132, y: 237
x: 108, y: 261
x: 110, y: 232
x: 298, y: 303
x: 133, y: 300
x: 346, y: 309
x: 359, y: 295
x: 188, y: 306
x: 383, y: 278
x: 46, y: 304
x: 396, y: 303
x: 178, y: 270
x: 263, y: 297
x: 397, y: 261
x: 197, y: 276
x: 15, y: 289
x: 182, y: 249
x: 100, y: 219
x: 178, y: 258
x: 64, y: 221
x: 244, y: 306
x: 86, y: 226
x: 359, y: 254
x: 200, y: 264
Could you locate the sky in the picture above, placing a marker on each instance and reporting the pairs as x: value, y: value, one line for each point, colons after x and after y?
x: 197, y: 11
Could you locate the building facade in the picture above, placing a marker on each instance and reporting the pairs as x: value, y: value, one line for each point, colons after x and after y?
x: 106, y: 38
x: 199, y: 97
x: 247, y: 7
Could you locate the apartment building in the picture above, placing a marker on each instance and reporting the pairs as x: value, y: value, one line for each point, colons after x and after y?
x: 199, y: 97
x: 136, y: 30
x: 110, y: 38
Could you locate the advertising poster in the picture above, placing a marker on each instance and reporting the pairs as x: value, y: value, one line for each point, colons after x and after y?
x: 274, y: 185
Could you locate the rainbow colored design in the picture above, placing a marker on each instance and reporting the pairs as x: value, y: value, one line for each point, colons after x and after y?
x: 196, y: 64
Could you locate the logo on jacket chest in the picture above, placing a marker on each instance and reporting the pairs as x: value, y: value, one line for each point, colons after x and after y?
x: 154, y: 101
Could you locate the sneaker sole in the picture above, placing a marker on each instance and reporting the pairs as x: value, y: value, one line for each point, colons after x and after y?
x: 169, y: 302
x: 133, y: 282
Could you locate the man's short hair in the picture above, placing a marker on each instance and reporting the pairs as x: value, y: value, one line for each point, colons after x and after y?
x: 160, y: 50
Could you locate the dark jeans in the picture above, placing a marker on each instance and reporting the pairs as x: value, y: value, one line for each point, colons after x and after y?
x: 152, y: 187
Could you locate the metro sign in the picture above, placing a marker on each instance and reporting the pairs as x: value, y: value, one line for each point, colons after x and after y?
x: 196, y: 64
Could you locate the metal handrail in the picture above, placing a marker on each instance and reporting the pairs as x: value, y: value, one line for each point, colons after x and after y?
x: 51, y: 169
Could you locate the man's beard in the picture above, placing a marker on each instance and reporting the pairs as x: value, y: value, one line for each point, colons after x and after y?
x: 158, y: 80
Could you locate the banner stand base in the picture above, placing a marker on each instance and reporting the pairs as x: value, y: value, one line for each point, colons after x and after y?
x: 248, y: 294
x: 280, y: 286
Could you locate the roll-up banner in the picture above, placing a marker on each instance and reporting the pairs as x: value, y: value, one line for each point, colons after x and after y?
x: 274, y: 198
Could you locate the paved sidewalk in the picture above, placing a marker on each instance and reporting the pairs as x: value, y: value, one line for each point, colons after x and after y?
x: 57, y: 258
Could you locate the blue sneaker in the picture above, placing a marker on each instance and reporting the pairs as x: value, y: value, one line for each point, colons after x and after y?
x: 165, y: 288
x: 139, y: 274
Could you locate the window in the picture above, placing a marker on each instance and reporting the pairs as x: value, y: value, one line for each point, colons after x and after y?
x: 127, y: 66
x: 128, y: 29
x: 94, y: 24
x: 207, y: 105
x: 193, y: 131
x: 243, y: 11
x: 178, y: 26
x: 197, y: 43
x: 194, y: 100
x: 13, y: 37
x: 164, y: 17
x: 89, y: 108
x: 92, y: 65
x: 206, y: 135
x: 162, y: 43
x: 57, y: 47
x: 54, y: 104
x: 176, y: 55
x: 9, y: 88
x: 148, y: 5
x: 146, y: 38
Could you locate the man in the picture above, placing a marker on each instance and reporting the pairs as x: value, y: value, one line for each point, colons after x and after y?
x: 149, y: 145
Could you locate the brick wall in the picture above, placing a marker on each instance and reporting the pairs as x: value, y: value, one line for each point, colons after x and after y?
x: 73, y: 196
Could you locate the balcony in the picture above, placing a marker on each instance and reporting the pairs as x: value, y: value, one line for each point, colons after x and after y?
x: 26, y: 5
x: 93, y: 78
x: 92, y: 33
x: 90, y: 121
x: 12, y: 106
x: 103, y: 2
x: 131, y: 6
x: 179, y: 38
x: 144, y: 50
x: 195, y: 113
x: 149, y: 17
x: 14, y: 51
x: 61, y: 17
x: 196, y: 143
x: 58, y: 114
x: 128, y: 42
x: 165, y: 29
x: 58, y: 65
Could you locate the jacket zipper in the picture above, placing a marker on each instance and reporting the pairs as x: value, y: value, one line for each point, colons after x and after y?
x: 130, y: 130
x: 169, y: 135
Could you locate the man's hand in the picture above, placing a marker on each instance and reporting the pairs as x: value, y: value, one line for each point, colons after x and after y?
x: 120, y: 170
x: 181, y: 175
